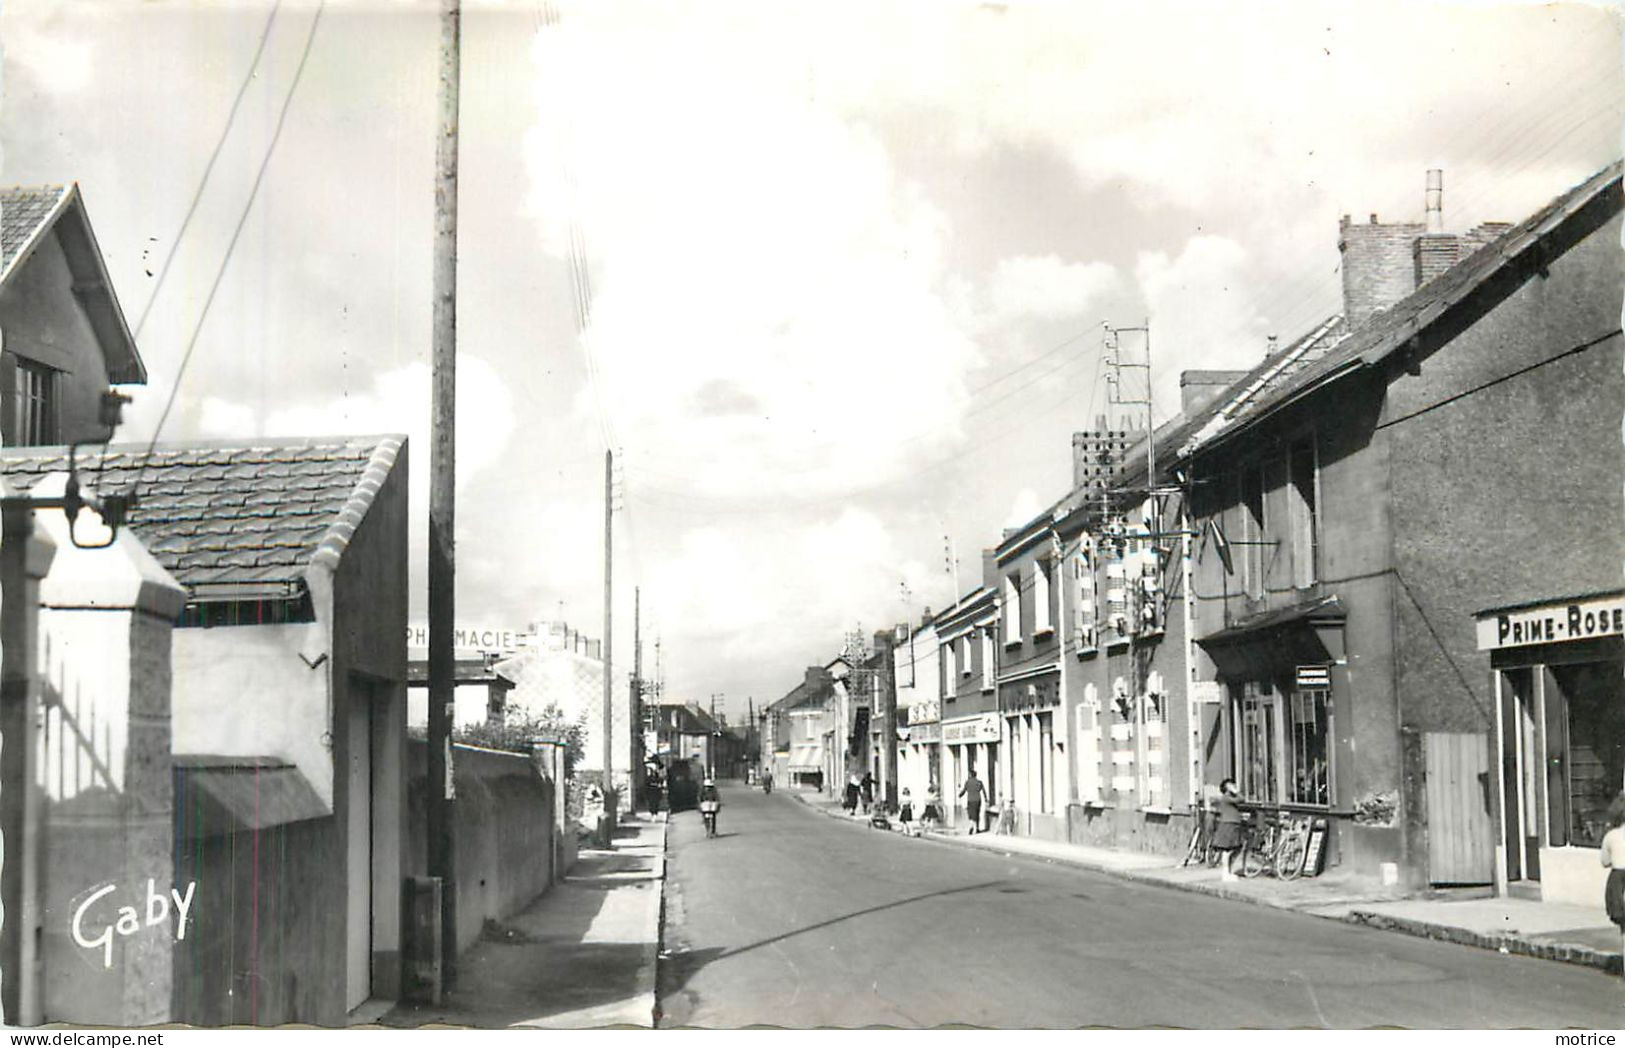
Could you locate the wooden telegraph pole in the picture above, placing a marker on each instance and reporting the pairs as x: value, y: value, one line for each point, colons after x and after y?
x: 607, y: 820
x: 635, y: 705
x: 442, y: 495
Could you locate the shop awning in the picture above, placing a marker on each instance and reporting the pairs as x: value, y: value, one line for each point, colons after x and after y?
x: 806, y: 756
x: 1276, y: 641
x: 218, y: 795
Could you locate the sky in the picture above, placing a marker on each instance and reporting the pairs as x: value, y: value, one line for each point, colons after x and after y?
x: 830, y: 278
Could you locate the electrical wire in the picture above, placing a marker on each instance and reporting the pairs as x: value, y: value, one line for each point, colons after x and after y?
x: 231, y: 245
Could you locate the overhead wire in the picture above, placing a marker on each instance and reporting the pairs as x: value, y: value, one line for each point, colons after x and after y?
x: 197, y: 194
x: 236, y: 235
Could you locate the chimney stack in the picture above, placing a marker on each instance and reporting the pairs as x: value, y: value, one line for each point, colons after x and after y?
x: 1197, y: 389
x: 1435, y: 201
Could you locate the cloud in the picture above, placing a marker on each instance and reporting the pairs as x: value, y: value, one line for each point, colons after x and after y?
x: 1046, y: 288
x: 51, y: 60
x: 775, y: 257
x: 728, y: 598
x: 1023, y: 509
x: 1202, y: 312
x: 397, y: 402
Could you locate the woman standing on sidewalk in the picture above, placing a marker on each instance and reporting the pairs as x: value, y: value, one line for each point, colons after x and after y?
x: 1613, y: 857
x: 1227, y: 837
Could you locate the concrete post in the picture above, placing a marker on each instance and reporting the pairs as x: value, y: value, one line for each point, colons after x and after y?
x: 105, y: 624
x: 25, y: 557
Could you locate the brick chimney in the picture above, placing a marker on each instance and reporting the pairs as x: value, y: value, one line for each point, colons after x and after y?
x: 1383, y: 263
x: 1197, y: 389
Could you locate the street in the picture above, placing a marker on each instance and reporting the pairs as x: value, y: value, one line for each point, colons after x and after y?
x: 791, y: 918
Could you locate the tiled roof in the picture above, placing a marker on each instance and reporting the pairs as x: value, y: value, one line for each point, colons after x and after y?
x: 1331, y: 349
x: 253, y: 512
x: 23, y: 210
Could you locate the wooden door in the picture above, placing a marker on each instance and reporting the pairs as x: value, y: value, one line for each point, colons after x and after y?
x: 1461, y: 840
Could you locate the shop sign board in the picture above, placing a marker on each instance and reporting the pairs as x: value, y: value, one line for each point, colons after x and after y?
x: 984, y: 728
x: 1553, y: 623
x: 1314, y: 678
x: 481, y: 638
x: 931, y: 731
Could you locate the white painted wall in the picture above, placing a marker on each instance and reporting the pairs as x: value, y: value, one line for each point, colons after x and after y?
x: 1572, y: 875
x: 246, y: 691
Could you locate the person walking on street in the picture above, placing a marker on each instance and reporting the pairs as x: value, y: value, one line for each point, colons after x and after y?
x: 1227, y: 837
x: 1613, y: 857
x: 931, y: 814
x: 850, y: 801
x: 973, y: 792
x: 867, y: 786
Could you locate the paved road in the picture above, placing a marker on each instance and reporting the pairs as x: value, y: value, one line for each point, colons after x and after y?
x: 791, y: 918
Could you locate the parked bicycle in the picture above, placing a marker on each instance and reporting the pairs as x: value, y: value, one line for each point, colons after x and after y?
x: 1276, y: 844
x: 1200, y: 851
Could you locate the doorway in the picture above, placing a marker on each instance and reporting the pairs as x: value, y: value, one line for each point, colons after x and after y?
x: 1520, y: 775
x: 358, y: 824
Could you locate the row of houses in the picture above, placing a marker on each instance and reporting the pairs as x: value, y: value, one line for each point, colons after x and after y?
x: 1375, y: 578
x: 218, y: 814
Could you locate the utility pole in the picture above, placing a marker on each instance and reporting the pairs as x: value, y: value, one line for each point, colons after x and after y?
x: 607, y: 821
x: 888, y: 717
x: 635, y: 709
x: 443, y: 496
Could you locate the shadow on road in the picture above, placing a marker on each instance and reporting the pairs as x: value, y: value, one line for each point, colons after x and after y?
x: 678, y: 966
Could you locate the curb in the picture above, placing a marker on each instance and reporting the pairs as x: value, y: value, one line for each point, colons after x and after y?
x: 1565, y: 953
x: 658, y: 940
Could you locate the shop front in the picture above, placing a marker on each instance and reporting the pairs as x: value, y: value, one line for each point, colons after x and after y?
x: 919, y: 749
x: 1282, y: 678
x: 1037, y: 784
x: 972, y: 744
x: 1558, y: 670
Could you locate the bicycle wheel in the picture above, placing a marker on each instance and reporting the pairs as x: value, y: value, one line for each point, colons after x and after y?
x: 1289, y: 858
x: 1255, y: 858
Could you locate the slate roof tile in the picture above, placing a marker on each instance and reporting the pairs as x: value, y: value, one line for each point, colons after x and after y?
x: 232, y: 513
x: 22, y: 211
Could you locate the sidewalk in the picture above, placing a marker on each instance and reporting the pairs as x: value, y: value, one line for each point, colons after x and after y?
x: 1548, y: 930
x: 583, y: 955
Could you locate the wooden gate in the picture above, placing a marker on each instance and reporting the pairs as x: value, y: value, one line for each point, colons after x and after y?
x: 1461, y: 838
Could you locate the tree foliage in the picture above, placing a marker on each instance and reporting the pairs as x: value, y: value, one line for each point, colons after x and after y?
x: 520, y: 728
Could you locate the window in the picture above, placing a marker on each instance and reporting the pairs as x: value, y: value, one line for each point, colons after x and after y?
x: 1253, y: 525
x: 1258, y: 759
x: 1012, y: 609
x: 1116, y: 600
x: 1311, y: 782
x: 36, y: 404
x: 987, y: 658
x: 1302, y: 485
x: 1046, y: 762
x: 1083, y: 606
x: 950, y: 680
x: 1043, y: 622
x: 965, y: 667
x: 1585, y: 745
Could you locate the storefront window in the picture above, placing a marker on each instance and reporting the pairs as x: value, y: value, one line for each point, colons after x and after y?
x: 1585, y: 702
x: 1258, y: 756
x: 1310, y: 783
x: 1046, y: 762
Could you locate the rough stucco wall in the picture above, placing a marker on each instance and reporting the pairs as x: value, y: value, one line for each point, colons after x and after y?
x: 43, y: 321
x: 1512, y: 493
x: 504, y: 818
x: 369, y: 666
x: 110, y: 669
x: 244, y: 691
